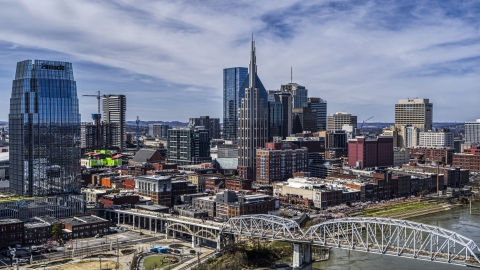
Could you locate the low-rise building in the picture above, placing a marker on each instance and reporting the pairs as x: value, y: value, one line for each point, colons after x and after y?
x: 158, y: 188
x: 11, y: 232
x: 119, y: 199
x: 469, y: 159
x: 85, y: 226
x: 38, y: 230
x: 401, y: 156
x: 238, y: 184
x: 230, y: 204
x: 207, y: 204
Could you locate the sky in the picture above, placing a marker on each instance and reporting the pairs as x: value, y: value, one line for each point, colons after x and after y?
x: 167, y: 57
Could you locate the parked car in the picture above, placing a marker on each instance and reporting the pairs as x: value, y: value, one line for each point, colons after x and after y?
x: 217, y: 254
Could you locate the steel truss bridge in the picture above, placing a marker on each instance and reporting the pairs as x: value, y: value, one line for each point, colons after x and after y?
x: 401, y: 238
x: 375, y: 235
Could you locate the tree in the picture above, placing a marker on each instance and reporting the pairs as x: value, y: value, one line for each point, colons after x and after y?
x: 57, y: 231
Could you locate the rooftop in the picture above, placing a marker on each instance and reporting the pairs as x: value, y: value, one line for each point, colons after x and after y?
x: 83, y: 220
x: 10, y: 221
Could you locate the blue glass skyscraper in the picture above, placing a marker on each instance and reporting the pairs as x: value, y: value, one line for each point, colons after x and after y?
x: 44, y: 125
x: 235, y: 80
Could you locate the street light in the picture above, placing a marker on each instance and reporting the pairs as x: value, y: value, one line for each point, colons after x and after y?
x: 100, y: 257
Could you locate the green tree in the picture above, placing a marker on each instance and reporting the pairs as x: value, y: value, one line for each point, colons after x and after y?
x: 57, y: 231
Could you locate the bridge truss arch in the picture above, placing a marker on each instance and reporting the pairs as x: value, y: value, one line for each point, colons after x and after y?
x: 395, y: 237
x: 264, y: 226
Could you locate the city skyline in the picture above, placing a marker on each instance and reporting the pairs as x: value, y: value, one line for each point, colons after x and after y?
x: 362, y: 57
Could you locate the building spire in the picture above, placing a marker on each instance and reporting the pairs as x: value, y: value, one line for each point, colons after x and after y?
x: 253, y: 65
x: 291, y: 74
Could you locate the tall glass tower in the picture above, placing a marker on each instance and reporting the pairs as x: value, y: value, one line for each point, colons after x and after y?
x: 235, y: 81
x: 44, y: 125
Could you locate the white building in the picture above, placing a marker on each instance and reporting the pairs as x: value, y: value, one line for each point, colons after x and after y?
x: 472, y: 132
x: 400, y: 156
x: 436, y: 139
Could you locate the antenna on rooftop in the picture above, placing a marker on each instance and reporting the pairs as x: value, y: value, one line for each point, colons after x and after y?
x: 291, y: 74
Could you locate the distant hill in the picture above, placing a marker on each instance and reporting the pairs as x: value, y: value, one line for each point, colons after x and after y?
x: 146, y: 123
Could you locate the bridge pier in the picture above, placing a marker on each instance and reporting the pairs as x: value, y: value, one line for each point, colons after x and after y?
x: 166, y: 234
x: 133, y: 217
x: 302, y: 254
x: 194, y: 241
x: 219, y: 243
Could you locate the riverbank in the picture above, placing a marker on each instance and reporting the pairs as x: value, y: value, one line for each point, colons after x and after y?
x: 406, y: 210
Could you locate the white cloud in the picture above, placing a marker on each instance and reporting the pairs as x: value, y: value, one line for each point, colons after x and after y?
x: 361, y: 57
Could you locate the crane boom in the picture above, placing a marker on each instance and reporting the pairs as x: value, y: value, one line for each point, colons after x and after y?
x: 365, y: 121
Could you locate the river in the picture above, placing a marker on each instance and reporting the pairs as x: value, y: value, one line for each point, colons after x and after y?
x: 458, y: 220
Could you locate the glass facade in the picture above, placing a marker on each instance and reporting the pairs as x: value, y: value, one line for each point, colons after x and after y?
x: 44, y: 124
x: 235, y: 80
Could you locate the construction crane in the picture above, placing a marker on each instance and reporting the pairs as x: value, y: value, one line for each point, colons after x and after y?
x: 365, y: 121
x: 97, y: 117
x: 138, y: 133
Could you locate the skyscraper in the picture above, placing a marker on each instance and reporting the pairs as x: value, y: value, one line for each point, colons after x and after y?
x: 252, y: 123
x: 279, y: 114
x: 299, y: 94
x: 114, y: 111
x: 321, y: 106
x: 416, y: 112
x: 44, y: 125
x: 235, y: 81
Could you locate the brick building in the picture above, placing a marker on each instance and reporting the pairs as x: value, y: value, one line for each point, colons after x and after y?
x: 238, y: 184
x: 277, y: 162
x: 11, y: 232
x: 432, y: 154
x: 38, y: 230
x: 453, y: 176
x: 469, y: 159
x: 85, y: 226
x: 365, y: 152
x: 128, y: 183
x: 158, y: 188
x: 119, y: 199
x: 214, y: 183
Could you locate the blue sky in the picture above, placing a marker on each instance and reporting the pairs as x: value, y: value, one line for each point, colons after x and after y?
x: 168, y: 56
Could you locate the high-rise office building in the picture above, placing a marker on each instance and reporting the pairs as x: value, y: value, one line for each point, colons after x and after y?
x: 108, y: 138
x: 158, y: 130
x: 320, y: 105
x: 416, y: 112
x: 252, y: 123
x: 115, y: 111
x: 188, y: 146
x: 275, y: 115
x: 472, y: 132
x: 299, y: 94
x: 235, y: 81
x: 44, y: 124
x: 211, y: 124
x: 340, y: 119
x: 304, y: 119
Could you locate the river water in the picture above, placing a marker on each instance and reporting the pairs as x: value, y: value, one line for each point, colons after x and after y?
x: 458, y: 220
